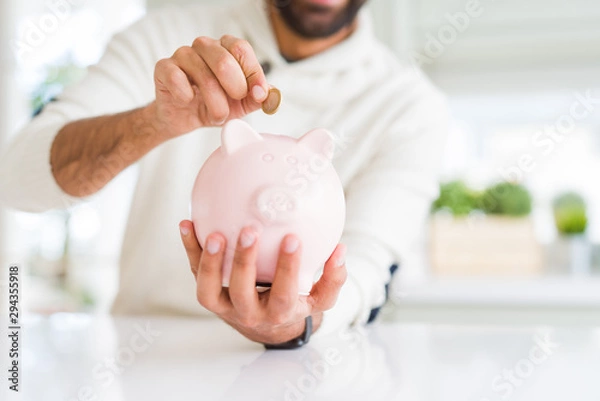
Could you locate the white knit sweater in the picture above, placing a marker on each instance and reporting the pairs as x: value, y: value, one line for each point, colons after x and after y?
x: 391, y: 121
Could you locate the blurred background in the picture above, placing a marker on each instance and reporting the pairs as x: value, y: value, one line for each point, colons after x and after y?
x: 518, y: 219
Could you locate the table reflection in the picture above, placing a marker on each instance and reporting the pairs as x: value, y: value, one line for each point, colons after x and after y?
x: 351, y: 365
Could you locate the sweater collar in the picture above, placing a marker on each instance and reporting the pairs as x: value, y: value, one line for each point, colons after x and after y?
x: 252, y: 16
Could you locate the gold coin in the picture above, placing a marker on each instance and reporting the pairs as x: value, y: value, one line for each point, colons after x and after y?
x: 272, y: 102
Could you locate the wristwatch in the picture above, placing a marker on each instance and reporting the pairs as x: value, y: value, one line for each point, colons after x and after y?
x: 298, y: 341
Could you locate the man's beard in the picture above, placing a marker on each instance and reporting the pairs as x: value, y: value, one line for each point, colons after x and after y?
x: 313, y: 21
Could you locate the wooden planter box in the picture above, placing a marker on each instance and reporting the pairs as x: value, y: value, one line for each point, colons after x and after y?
x: 484, y: 246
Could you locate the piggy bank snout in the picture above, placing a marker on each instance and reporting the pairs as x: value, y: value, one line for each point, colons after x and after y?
x: 275, y: 205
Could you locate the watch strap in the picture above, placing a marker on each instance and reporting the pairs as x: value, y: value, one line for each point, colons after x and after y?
x: 298, y: 341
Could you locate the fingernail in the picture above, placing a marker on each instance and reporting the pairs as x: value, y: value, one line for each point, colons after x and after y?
x: 247, y: 239
x: 184, y: 230
x: 291, y: 245
x: 213, y: 246
x: 341, y: 260
x: 258, y: 93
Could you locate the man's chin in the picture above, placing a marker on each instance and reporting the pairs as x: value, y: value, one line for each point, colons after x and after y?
x: 329, y: 4
x: 314, y: 24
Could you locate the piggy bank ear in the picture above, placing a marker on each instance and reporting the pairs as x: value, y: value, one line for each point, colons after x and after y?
x: 320, y: 141
x: 236, y: 134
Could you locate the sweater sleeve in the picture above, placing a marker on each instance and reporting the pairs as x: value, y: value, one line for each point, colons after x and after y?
x: 122, y: 80
x: 387, y: 205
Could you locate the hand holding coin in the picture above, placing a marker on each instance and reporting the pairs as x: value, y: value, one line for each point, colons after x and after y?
x: 272, y: 102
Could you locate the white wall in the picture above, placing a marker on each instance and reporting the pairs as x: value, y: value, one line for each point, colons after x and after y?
x: 531, y: 45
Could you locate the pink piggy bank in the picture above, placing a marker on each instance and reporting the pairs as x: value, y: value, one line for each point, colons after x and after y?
x: 278, y: 185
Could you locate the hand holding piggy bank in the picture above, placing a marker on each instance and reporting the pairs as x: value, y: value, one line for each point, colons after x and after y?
x: 279, y: 186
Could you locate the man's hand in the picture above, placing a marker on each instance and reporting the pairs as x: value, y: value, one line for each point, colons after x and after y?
x: 207, y: 84
x: 270, y: 317
x: 199, y: 86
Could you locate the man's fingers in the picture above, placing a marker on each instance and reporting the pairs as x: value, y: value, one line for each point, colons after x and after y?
x: 325, y: 291
x: 223, y: 65
x: 190, y: 242
x: 209, y: 289
x: 170, y: 77
x: 244, y: 54
x: 220, y: 72
x: 242, y: 284
x: 284, y: 291
x: 199, y: 73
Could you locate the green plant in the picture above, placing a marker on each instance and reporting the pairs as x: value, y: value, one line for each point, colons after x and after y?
x: 506, y: 198
x: 570, y: 215
x: 57, y: 77
x: 457, y: 198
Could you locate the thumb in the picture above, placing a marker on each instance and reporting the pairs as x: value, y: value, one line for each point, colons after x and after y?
x: 325, y: 291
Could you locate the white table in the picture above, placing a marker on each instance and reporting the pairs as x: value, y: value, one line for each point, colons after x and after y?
x: 78, y: 357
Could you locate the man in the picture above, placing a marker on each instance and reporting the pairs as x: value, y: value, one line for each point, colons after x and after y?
x: 157, y: 103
